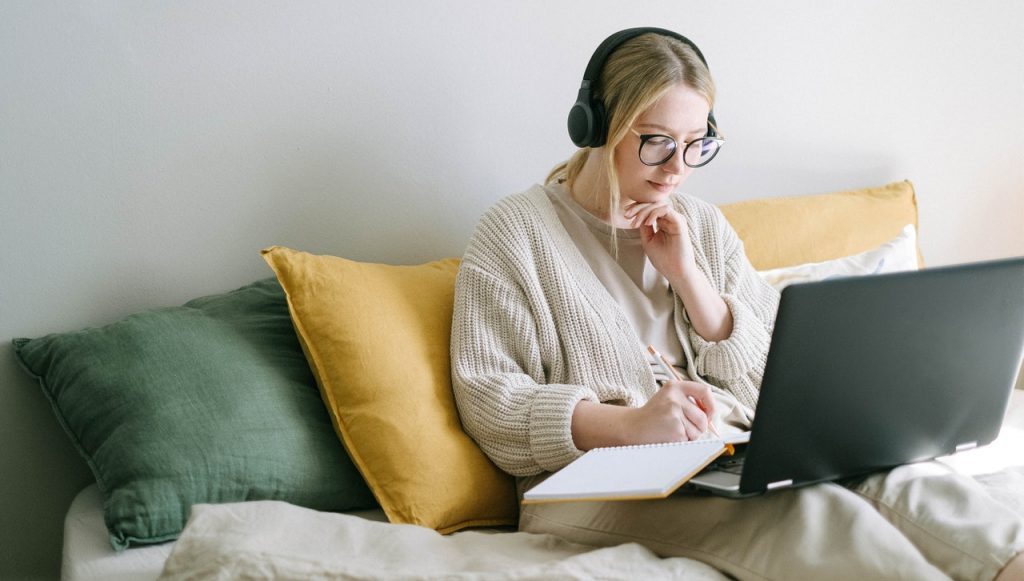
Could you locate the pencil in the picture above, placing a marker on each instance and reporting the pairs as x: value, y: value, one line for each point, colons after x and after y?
x: 672, y: 371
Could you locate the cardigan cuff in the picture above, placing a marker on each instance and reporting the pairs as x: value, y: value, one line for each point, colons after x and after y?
x: 551, y: 424
x: 743, y: 351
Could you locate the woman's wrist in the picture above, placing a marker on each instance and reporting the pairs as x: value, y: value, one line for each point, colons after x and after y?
x: 596, y: 425
x: 687, y: 277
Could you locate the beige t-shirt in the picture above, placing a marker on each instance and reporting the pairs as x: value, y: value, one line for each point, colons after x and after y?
x: 642, y: 292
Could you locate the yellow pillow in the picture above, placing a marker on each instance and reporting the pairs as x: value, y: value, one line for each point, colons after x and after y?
x: 793, y: 230
x: 377, y: 338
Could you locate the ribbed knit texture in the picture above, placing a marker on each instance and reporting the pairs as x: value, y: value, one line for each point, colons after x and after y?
x: 535, y: 331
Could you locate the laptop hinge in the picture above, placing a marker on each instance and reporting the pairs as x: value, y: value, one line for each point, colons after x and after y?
x: 966, y: 446
x: 779, y: 484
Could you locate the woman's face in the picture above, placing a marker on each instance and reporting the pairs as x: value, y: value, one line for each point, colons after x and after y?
x: 681, y: 113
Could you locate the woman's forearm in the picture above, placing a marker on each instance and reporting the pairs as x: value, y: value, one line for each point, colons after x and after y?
x: 708, y: 313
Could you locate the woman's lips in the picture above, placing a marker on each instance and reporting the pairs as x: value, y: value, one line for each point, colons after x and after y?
x: 663, y: 188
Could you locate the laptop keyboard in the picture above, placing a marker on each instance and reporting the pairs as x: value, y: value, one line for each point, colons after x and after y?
x: 730, y: 465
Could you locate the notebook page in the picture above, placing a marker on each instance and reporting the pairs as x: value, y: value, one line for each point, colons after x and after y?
x: 627, y: 472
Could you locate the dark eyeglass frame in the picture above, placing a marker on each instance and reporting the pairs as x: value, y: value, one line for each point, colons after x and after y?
x: 645, y: 137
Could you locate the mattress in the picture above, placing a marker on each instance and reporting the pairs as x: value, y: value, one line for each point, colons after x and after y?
x: 88, y: 555
x: 87, y: 551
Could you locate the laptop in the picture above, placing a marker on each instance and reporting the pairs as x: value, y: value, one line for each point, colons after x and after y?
x: 867, y: 373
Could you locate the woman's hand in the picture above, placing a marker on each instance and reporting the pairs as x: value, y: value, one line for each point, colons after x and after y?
x: 673, y: 414
x: 664, y: 235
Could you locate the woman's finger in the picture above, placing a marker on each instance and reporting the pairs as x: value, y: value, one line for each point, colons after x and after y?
x: 693, y: 431
x: 695, y: 417
x: 702, y: 395
x: 649, y: 216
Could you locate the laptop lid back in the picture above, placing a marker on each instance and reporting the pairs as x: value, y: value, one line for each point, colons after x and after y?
x: 867, y: 373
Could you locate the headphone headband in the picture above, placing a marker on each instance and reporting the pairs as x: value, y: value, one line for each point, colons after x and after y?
x: 588, y: 125
x: 608, y: 46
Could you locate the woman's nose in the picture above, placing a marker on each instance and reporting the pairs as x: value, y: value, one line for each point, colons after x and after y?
x: 675, y: 165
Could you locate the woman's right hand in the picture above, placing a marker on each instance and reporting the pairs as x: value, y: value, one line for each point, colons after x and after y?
x: 673, y: 414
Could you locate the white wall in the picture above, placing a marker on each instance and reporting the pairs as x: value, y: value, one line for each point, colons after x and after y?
x: 148, y: 150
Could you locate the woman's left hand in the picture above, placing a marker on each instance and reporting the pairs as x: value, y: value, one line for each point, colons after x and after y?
x: 664, y: 235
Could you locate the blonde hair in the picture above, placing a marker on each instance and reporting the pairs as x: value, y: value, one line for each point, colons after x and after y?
x: 633, y: 78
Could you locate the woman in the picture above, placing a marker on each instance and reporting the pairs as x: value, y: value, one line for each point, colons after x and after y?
x: 562, y: 288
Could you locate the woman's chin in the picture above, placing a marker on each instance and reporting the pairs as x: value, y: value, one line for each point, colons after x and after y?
x: 649, y: 194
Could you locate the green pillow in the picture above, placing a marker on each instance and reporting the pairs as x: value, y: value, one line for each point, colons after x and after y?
x: 209, y: 402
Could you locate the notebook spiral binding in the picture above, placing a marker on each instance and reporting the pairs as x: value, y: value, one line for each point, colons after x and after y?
x: 658, y: 445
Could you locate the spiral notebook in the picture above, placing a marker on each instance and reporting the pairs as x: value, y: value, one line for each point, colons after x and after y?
x: 628, y: 472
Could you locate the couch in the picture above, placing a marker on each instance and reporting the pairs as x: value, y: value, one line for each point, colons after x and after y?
x: 305, y: 422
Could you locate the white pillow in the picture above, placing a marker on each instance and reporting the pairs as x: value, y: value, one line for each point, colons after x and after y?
x: 896, y: 255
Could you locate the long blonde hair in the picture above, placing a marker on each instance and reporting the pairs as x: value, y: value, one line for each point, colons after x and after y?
x: 633, y: 78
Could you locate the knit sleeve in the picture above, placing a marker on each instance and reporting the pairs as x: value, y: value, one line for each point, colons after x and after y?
x: 519, y: 420
x: 738, y: 361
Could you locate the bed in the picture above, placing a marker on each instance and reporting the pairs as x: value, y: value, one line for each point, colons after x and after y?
x: 253, y: 433
x: 88, y: 555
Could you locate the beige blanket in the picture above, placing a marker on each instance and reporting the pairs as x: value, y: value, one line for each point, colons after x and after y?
x: 269, y: 539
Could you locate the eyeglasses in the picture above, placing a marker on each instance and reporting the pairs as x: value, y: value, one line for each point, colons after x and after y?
x: 656, y: 149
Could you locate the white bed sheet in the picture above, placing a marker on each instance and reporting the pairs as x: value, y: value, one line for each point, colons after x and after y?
x: 88, y: 555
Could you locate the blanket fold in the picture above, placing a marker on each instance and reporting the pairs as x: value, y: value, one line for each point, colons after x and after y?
x: 272, y: 539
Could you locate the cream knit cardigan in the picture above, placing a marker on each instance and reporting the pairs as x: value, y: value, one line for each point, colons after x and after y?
x: 534, y: 331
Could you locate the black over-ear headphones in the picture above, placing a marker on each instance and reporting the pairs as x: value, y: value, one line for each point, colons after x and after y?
x: 588, y: 125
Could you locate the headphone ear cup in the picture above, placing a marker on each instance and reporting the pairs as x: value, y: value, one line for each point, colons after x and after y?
x: 581, y: 124
x: 586, y: 121
x: 600, y: 123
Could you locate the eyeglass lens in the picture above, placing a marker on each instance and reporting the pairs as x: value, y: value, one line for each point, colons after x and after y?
x: 658, y: 149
